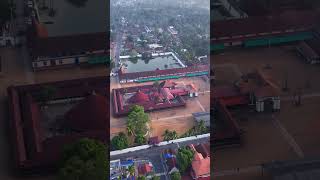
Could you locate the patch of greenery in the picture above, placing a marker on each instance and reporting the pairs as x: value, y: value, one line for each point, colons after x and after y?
x: 184, y: 158
x: 120, y: 142
x: 198, y: 129
x: 170, y: 135
x: 175, y: 176
x: 137, y: 121
x: 84, y: 159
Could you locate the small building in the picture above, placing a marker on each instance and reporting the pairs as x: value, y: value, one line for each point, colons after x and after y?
x: 172, y: 30
x: 261, y: 91
x: 145, y: 169
x: 200, y: 166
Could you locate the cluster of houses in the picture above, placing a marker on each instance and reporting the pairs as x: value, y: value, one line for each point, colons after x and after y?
x: 121, y: 169
x: 200, y: 165
x: 199, y: 168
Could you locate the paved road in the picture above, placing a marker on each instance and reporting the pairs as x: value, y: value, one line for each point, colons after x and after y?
x: 156, y: 151
x: 118, y: 47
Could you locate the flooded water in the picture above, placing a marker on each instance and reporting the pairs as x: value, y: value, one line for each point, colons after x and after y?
x: 71, y: 19
x: 161, y: 62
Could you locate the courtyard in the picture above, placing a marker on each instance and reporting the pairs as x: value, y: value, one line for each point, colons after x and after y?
x: 289, y: 134
x: 179, y: 119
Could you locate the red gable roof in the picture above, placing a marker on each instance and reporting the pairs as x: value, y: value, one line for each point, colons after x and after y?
x: 90, y: 114
x: 139, y: 97
x: 201, y: 167
x: 144, y: 169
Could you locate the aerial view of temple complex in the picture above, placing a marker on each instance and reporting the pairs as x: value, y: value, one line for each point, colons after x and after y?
x: 159, y: 89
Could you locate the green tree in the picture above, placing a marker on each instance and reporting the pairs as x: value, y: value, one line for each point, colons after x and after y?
x: 84, y: 159
x: 131, y: 170
x: 137, y: 120
x: 184, y: 158
x: 175, y: 176
x: 142, y: 178
x: 120, y: 142
x: 140, y: 139
x: 155, y: 178
x: 201, y: 127
x: 170, y: 135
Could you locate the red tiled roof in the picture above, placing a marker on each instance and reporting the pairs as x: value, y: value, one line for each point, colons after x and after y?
x: 90, y: 114
x: 144, y: 169
x: 139, y: 97
x: 166, y: 93
x: 201, y: 167
x: 255, y: 25
x: 204, y: 149
x: 169, y: 83
x: 197, y: 156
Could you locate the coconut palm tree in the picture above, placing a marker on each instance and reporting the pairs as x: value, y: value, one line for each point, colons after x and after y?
x: 170, y: 135
x: 131, y: 170
x: 201, y: 128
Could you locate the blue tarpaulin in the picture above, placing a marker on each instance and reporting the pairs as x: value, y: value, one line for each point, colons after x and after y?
x: 127, y: 163
x: 168, y: 156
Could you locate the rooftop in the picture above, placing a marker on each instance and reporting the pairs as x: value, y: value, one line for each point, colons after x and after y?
x: 70, y: 19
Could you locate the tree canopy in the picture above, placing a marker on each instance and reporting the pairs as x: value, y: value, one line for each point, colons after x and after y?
x: 175, y: 176
x: 140, y: 139
x: 155, y: 178
x: 184, y: 158
x: 84, y: 159
x: 137, y: 121
x: 120, y: 142
x: 142, y: 178
x: 170, y: 135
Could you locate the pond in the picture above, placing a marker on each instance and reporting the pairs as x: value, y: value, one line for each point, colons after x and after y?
x: 160, y: 62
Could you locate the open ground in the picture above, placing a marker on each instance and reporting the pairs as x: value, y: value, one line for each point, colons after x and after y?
x: 289, y: 134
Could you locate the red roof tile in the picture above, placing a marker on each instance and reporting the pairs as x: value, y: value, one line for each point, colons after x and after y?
x: 144, y: 169
x: 139, y: 97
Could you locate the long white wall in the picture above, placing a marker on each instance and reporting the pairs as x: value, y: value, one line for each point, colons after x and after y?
x: 137, y: 148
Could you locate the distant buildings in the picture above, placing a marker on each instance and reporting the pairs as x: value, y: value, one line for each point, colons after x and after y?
x: 119, y: 169
x: 172, y: 30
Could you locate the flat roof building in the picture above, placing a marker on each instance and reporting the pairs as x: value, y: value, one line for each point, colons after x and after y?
x: 69, y: 36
